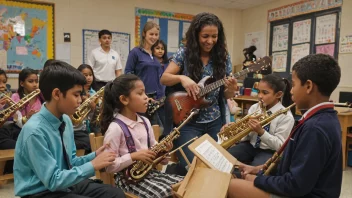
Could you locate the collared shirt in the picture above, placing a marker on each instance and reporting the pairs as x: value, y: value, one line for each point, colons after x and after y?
x: 147, y: 68
x: 212, y: 112
x: 316, y: 106
x: 39, y: 162
x: 104, y: 64
x: 280, y: 128
x: 116, y: 138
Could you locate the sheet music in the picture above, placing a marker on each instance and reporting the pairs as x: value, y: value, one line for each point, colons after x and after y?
x: 214, y: 156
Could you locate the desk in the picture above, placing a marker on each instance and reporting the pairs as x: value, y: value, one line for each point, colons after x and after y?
x: 242, y: 100
x: 345, y: 117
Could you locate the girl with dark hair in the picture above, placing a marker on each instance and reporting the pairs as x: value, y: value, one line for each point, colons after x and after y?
x: 130, y: 136
x: 86, y: 126
x: 159, y: 50
x: 27, y: 83
x: 257, y: 147
x: 205, y: 54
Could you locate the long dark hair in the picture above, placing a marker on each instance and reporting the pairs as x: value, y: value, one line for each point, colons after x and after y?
x: 280, y: 84
x: 165, y: 58
x: 85, y: 66
x: 23, y: 75
x: 122, y: 85
x: 2, y: 72
x: 218, y: 53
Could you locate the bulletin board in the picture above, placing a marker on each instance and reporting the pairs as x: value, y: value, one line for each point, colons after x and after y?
x: 173, y: 26
x: 120, y: 43
x: 26, y: 35
x: 294, y: 38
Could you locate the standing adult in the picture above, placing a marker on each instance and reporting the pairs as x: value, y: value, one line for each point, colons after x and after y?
x: 106, y: 62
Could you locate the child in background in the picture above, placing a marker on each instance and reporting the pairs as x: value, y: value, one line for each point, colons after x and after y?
x: 82, y: 130
x: 159, y: 50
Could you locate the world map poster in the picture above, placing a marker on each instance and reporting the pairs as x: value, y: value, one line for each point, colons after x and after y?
x: 26, y: 35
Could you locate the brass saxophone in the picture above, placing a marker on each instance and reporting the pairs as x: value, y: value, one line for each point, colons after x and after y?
x: 232, y: 134
x: 233, y: 129
x: 8, y: 112
x: 138, y: 170
x: 84, y: 109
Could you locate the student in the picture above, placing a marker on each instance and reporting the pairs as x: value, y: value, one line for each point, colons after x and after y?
x: 27, y: 83
x: 311, y: 165
x: 3, y: 89
x: 159, y: 50
x: 123, y: 99
x: 260, y: 144
x: 82, y: 130
x: 8, y: 136
x: 205, y: 54
x: 105, y: 61
x: 43, y: 166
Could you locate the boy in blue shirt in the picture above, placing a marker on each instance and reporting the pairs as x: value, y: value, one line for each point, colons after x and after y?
x: 311, y: 164
x: 43, y: 167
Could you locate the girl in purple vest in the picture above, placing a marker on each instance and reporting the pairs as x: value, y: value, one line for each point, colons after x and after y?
x: 130, y: 136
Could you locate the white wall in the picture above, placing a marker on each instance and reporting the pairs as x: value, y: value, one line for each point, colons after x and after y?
x: 255, y: 19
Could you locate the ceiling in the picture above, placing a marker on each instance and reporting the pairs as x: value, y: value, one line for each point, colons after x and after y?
x: 230, y: 4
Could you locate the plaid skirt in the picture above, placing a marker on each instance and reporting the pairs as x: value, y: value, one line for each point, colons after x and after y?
x: 155, y: 185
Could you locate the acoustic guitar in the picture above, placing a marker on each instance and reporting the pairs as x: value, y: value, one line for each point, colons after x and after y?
x: 182, y: 104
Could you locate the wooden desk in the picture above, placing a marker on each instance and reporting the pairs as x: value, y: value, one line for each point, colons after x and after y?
x: 345, y: 117
x: 242, y: 100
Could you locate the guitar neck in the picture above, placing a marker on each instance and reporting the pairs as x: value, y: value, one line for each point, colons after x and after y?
x: 212, y: 86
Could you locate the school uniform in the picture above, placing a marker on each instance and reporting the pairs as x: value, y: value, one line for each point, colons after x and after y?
x: 256, y: 150
x: 311, y: 165
x: 155, y: 184
x: 45, y: 168
x: 104, y: 65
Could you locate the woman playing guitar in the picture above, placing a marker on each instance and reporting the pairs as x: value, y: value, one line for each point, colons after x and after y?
x: 205, y: 54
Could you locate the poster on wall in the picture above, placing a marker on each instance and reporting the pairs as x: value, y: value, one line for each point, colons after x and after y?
x: 257, y: 39
x: 298, y: 52
x: 325, y: 29
x: 328, y: 49
x: 302, y: 7
x: 280, y: 37
x: 346, y: 44
x: 301, y: 31
x: 279, y: 61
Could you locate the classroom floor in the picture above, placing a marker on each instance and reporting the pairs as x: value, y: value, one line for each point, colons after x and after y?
x: 7, y: 191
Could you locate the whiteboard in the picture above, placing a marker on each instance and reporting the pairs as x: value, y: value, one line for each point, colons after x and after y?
x: 120, y: 43
x: 257, y: 39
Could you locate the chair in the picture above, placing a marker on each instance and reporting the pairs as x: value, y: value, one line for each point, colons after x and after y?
x: 107, y: 178
x: 5, y: 155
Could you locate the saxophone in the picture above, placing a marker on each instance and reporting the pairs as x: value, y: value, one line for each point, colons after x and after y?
x: 8, y: 112
x: 84, y: 109
x: 232, y: 134
x: 233, y: 129
x: 138, y: 170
